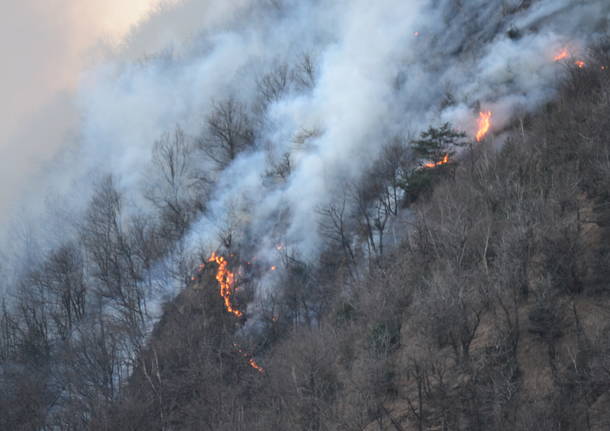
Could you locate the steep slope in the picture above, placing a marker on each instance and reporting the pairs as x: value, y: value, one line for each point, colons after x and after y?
x: 493, y: 314
x: 393, y: 215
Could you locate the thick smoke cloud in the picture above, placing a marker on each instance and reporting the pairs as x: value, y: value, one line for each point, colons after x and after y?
x: 383, y: 70
x: 45, y: 46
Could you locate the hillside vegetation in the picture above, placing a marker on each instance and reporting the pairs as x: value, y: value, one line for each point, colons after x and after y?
x: 492, y: 314
x: 471, y: 295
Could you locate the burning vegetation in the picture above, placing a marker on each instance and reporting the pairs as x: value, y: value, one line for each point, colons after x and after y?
x: 566, y: 54
x: 562, y: 55
x: 226, y: 282
x: 443, y: 161
x: 438, y: 144
x: 484, y: 124
x: 473, y: 310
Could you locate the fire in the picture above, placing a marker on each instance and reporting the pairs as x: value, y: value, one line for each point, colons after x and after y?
x: 444, y: 161
x: 251, y: 360
x: 565, y: 53
x: 225, y: 279
x: 254, y: 365
x: 484, y: 123
x: 273, y: 268
x: 562, y: 55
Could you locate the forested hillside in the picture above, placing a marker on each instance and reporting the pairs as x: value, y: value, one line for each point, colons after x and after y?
x: 491, y: 314
x: 333, y: 241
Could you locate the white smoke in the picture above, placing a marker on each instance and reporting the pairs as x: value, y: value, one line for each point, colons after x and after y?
x: 383, y: 69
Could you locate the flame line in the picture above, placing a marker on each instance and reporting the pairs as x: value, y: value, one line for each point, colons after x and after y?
x: 444, y: 161
x: 250, y: 359
x: 226, y: 280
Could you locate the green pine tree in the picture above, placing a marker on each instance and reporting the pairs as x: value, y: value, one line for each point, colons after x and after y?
x: 434, y: 149
x: 438, y: 144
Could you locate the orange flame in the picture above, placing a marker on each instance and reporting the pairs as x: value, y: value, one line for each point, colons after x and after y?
x: 565, y: 53
x: 562, y: 55
x: 444, y: 161
x: 225, y: 279
x: 251, y: 360
x: 254, y: 365
x: 484, y: 123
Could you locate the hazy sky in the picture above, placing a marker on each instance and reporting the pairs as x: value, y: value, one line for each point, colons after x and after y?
x: 45, y: 45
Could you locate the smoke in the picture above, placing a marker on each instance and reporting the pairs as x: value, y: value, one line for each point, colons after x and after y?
x: 45, y: 46
x: 381, y: 70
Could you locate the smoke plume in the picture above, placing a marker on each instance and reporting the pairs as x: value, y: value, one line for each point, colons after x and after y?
x: 360, y: 74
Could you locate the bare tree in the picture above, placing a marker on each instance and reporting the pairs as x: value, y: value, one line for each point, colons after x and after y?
x: 281, y: 169
x: 304, y: 74
x: 64, y: 278
x: 175, y: 186
x: 273, y: 84
x: 228, y: 132
x: 8, y: 333
x: 335, y: 226
x: 110, y: 250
